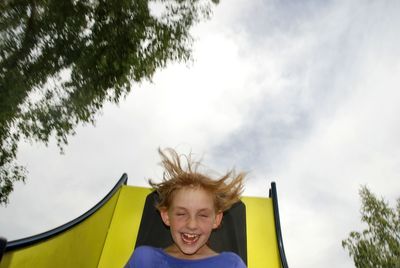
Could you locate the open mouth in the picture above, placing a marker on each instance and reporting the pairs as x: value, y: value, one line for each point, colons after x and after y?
x: 190, y: 238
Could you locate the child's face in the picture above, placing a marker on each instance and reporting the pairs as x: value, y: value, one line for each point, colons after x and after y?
x: 191, y: 218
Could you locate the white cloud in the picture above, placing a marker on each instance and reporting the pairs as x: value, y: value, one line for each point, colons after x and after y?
x: 330, y: 125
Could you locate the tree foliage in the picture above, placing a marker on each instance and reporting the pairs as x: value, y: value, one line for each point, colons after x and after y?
x: 378, y: 246
x: 62, y: 60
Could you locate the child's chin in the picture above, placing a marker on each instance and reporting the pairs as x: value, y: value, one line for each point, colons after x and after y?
x: 189, y: 251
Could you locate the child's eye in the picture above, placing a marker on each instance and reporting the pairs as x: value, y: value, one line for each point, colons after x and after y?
x: 180, y: 214
x: 204, y: 215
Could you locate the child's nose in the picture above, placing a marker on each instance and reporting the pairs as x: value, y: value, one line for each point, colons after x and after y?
x: 192, y: 223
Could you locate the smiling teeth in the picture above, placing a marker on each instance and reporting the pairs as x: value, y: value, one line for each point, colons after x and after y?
x: 190, y: 238
x: 190, y: 235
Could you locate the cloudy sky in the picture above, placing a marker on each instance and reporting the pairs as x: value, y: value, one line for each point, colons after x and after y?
x: 304, y: 93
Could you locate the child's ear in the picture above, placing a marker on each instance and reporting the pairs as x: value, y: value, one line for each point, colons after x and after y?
x: 164, y: 216
x: 218, y: 219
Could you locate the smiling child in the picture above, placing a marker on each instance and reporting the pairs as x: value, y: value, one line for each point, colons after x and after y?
x: 192, y: 205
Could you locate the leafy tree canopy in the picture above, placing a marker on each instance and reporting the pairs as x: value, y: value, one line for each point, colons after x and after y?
x: 378, y: 246
x: 61, y: 61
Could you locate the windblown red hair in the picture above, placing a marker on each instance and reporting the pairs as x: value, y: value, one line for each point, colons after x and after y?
x: 226, y: 190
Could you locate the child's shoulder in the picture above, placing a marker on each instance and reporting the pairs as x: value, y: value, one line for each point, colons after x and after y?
x: 144, y: 255
x: 232, y: 259
x: 146, y: 251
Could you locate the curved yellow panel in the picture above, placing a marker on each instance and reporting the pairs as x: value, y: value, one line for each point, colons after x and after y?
x: 80, y: 246
x: 262, y: 245
x: 124, y: 227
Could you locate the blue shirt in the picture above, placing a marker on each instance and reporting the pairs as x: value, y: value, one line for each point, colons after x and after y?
x: 150, y: 257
